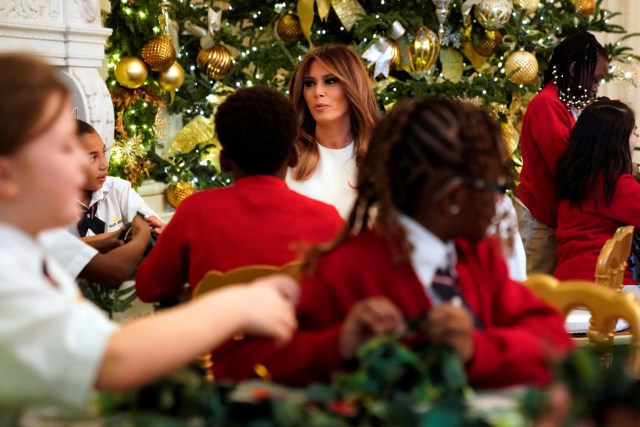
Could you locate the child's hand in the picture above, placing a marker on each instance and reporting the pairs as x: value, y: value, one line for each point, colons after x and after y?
x: 156, y: 224
x: 104, y: 242
x: 453, y: 325
x: 368, y: 318
x: 140, y: 229
x: 269, y: 306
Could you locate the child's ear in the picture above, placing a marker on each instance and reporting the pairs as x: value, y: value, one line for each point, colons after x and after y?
x: 225, y: 163
x: 9, y: 187
x: 572, y: 69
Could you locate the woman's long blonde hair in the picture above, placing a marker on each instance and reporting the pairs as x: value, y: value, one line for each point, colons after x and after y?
x: 342, y: 62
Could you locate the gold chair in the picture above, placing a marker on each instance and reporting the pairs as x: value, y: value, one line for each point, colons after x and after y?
x: 612, y: 260
x: 216, y: 279
x: 606, y: 307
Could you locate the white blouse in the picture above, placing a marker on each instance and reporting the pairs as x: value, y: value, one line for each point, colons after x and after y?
x: 334, y: 180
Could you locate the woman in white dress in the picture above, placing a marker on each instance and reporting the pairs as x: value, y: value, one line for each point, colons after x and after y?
x: 336, y: 111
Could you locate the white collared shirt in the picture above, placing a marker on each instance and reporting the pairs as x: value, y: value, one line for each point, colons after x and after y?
x: 334, y: 181
x: 51, y: 340
x: 428, y: 255
x: 117, y: 204
x: 68, y: 250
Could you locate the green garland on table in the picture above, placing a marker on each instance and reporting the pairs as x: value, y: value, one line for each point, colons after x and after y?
x: 393, y: 386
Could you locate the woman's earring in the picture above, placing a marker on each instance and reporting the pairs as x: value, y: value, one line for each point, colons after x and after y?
x: 454, y: 209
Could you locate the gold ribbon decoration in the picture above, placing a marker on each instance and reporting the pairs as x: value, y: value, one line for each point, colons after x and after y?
x: 348, y: 11
x: 452, y: 64
x: 197, y: 133
x: 382, y: 51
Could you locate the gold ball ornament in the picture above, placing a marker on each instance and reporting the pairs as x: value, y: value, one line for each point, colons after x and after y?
x: 158, y: 53
x: 289, y: 28
x: 424, y: 49
x: 489, y: 44
x: 493, y: 14
x: 585, y: 7
x: 521, y: 66
x: 529, y: 5
x: 131, y: 72
x: 215, y: 62
x: 171, y: 78
x: 176, y: 193
x: 395, y: 55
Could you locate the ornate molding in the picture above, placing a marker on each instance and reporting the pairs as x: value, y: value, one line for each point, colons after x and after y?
x: 67, y: 33
x: 84, y: 11
x: 31, y: 10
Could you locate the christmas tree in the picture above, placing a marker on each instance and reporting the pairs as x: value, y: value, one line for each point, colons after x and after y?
x: 493, y: 52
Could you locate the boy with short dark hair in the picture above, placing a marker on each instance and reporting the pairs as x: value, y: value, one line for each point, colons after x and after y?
x: 257, y: 220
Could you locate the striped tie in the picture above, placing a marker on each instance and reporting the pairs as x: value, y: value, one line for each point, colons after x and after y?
x: 445, y: 286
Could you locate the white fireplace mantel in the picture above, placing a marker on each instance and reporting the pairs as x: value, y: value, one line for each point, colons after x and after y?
x: 69, y: 34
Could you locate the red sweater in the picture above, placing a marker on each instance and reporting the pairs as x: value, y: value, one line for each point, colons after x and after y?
x: 583, y: 231
x: 543, y: 140
x: 257, y: 220
x: 521, y: 332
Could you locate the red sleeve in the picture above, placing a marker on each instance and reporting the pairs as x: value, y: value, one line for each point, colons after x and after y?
x: 311, y: 355
x: 165, y: 270
x: 625, y: 203
x: 550, y: 127
x: 522, y: 338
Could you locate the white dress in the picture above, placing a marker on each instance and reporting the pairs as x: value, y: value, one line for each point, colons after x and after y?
x: 334, y: 180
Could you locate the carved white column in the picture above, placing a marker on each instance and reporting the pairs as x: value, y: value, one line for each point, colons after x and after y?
x: 69, y: 34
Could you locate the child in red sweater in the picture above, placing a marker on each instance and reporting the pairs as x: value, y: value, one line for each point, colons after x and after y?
x: 575, y: 70
x: 257, y: 220
x: 596, y: 188
x: 433, y: 171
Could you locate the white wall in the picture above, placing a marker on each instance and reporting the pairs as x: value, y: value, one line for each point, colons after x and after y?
x: 629, y: 20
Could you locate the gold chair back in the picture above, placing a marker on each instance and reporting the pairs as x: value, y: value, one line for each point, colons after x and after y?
x: 606, y: 306
x: 612, y: 260
x: 216, y: 279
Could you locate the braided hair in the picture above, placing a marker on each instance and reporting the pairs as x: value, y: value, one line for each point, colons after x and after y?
x: 421, y: 142
x: 583, y: 50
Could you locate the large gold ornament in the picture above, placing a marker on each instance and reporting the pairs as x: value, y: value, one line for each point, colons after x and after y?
x: 489, y: 44
x: 176, y: 193
x: 585, y: 7
x: 171, y: 78
x: 424, y: 49
x: 521, y: 66
x: 288, y: 28
x: 493, y: 14
x: 396, y: 56
x: 131, y: 72
x: 529, y: 5
x: 215, y: 62
x: 158, y: 53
